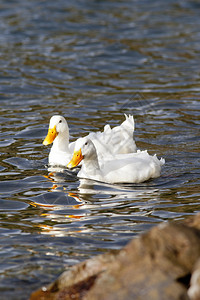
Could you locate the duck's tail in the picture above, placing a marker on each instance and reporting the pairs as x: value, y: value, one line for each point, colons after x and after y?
x: 162, y: 161
x: 129, y: 123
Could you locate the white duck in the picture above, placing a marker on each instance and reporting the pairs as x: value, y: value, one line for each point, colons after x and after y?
x: 109, y: 142
x: 125, y: 168
x: 58, y: 134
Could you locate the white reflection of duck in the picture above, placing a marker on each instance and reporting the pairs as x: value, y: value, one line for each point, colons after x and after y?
x: 109, y: 142
x: 127, y: 168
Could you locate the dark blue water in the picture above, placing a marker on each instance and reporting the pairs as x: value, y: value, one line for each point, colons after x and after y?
x: 92, y: 61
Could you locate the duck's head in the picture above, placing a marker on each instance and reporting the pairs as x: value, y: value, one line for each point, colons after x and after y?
x: 57, y: 125
x: 84, y: 149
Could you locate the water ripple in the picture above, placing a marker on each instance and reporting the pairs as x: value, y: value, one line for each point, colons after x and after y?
x: 92, y: 61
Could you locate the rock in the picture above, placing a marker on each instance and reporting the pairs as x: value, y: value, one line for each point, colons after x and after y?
x: 194, y: 290
x: 156, y: 265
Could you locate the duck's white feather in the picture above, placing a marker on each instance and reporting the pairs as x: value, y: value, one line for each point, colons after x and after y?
x: 129, y: 168
x: 118, y: 140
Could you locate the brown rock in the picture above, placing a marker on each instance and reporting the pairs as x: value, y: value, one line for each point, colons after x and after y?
x: 194, y: 290
x: 157, y: 265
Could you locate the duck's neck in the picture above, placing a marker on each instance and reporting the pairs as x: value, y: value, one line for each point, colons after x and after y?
x: 91, y: 165
x: 61, y: 142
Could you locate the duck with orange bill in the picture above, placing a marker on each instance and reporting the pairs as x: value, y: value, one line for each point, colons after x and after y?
x: 125, y: 168
x: 58, y: 134
x: 110, y: 142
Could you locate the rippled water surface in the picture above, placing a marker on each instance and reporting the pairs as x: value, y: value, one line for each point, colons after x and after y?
x: 92, y: 61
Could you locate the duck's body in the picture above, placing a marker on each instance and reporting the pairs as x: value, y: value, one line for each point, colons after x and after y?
x: 108, y: 143
x: 128, y: 168
x: 59, y: 157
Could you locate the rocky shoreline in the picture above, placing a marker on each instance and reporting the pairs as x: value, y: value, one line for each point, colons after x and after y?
x: 163, y: 263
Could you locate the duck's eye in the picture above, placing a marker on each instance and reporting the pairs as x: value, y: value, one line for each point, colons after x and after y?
x: 86, y: 143
x: 60, y: 121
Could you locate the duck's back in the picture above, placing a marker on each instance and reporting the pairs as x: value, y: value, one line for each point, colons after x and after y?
x: 139, y: 167
x: 118, y: 140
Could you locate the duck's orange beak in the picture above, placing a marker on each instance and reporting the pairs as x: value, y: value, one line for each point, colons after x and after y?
x: 76, y: 159
x: 51, y: 135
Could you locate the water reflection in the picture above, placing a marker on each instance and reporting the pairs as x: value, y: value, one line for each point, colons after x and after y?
x: 60, y: 208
